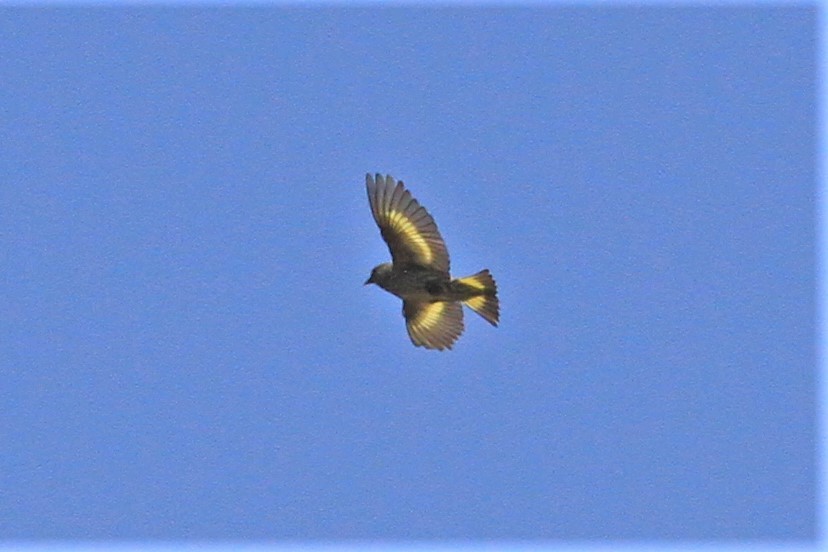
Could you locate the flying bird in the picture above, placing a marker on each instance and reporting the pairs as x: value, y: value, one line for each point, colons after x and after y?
x: 419, y: 271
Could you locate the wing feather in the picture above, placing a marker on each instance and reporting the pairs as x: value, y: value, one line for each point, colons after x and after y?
x: 410, y: 232
x: 433, y: 325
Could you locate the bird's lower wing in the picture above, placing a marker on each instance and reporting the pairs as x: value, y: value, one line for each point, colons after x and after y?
x: 433, y: 325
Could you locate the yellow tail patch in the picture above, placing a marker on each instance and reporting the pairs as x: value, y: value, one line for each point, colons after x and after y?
x: 482, y: 280
x: 485, y: 304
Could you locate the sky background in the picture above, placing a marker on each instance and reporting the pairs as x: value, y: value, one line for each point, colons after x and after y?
x: 186, y: 347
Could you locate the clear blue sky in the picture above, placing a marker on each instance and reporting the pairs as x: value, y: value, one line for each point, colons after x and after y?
x: 186, y: 347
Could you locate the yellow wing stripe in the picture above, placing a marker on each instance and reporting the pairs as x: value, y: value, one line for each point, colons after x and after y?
x: 428, y: 317
x: 403, y: 225
x: 433, y: 325
x: 410, y: 232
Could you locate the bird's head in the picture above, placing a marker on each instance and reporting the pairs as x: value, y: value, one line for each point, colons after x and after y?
x: 378, y: 274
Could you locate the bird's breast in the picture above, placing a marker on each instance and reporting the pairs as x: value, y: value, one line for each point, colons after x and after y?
x: 416, y: 284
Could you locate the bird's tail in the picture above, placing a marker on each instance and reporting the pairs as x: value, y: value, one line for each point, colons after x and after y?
x: 484, y: 302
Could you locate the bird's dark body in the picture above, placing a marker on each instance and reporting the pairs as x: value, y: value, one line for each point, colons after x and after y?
x: 418, y: 283
x: 414, y: 282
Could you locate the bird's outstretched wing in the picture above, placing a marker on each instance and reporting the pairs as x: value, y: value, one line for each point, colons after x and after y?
x: 406, y: 227
x: 433, y: 325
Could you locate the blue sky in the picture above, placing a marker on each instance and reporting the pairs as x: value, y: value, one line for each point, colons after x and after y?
x: 189, y: 353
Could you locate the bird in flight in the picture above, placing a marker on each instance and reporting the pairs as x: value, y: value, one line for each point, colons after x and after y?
x: 419, y: 271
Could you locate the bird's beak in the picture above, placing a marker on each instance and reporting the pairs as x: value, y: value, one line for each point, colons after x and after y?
x: 368, y: 281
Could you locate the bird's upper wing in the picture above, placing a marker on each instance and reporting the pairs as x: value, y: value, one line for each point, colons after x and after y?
x: 406, y: 227
x: 433, y: 325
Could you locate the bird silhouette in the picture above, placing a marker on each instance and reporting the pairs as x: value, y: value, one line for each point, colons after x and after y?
x: 419, y: 269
